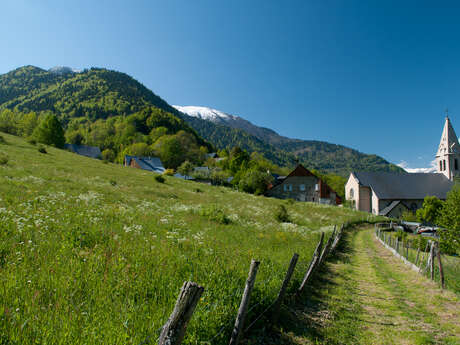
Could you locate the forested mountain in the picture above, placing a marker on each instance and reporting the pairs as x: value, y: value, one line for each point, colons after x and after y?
x: 97, y: 102
x: 212, y: 124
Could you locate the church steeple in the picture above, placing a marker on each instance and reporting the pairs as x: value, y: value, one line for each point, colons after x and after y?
x: 448, y: 155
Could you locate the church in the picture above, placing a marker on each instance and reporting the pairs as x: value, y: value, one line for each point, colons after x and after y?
x: 391, y: 194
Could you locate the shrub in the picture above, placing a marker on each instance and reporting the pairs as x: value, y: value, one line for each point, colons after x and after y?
x: 3, y: 159
x: 214, y: 213
x: 50, y: 132
x: 108, y: 155
x: 2, y: 140
x: 281, y: 214
x: 32, y: 141
x: 159, y: 178
x: 401, y: 235
x: 42, y: 149
x: 113, y: 182
x: 198, y: 190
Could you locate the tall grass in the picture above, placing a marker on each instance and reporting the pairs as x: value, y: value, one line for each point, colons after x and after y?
x: 84, y: 260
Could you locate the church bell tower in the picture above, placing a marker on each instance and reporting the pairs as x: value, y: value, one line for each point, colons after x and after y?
x: 448, y: 156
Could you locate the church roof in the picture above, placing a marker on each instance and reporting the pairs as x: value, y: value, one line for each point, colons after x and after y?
x: 405, y: 186
x: 449, y: 141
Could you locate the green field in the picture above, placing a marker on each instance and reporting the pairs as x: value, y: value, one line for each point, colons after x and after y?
x: 95, y: 253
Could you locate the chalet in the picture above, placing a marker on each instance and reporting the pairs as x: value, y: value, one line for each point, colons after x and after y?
x: 84, y: 150
x: 303, y: 185
x: 146, y: 163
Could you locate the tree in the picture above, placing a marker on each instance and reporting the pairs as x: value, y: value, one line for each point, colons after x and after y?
x: 185, y: 168
x: 50, y: 132
x: 430, y: 211
x: 450, y: 219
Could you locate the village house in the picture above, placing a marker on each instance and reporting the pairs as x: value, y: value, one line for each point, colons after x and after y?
x: 84, y: 150
x: 391, y: 194
x: 146, y: 163
x: 303, y: 185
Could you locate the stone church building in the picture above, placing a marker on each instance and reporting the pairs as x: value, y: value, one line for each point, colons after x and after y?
x: 391, y: 194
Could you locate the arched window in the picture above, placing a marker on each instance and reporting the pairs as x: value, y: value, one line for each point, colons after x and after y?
x: 352, y: 193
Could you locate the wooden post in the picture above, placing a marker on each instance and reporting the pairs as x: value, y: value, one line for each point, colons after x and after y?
x: 173, y: 331
x: 407, y: 250
x: 441, y: 271
x: 417, y: 257
x: 424, y: 254
x: 326, y: 248
x: 287, y: 279
x: 432, y: 260
x: 239, y: 322
x: 397, y: 245
x: 312, y: 265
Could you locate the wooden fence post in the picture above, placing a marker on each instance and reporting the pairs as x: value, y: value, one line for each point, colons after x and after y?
x: 287, y: 279
x: 239, y: 322
x: 312, y: 265
x: 417, y: 257
x: 173, y: 331
x: 326, y: 248
x: 423, y: 258
x: 441, y: 271
x: 432, y: 260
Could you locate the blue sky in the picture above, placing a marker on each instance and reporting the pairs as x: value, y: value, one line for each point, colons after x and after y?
x: 373, y: 75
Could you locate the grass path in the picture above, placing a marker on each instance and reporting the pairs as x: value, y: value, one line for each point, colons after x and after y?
x: 367, y: 296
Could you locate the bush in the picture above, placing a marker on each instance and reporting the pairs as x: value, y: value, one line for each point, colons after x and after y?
x: 281, y: 214
x: 159, y: 178
x: 113, y: 182
x: 214, y: 213
x: 2, y: 140
x: 3, y: 159
x: 198, y: 190
x: 32, y: 141
x: 42, y: 149
x: 421, y: 242
x: 401, y: 235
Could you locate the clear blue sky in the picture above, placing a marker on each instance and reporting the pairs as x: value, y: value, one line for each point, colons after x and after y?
x: 372, y: 75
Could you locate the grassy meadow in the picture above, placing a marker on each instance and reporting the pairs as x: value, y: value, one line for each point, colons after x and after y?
x: 96, y: 253
x: 451, y: 264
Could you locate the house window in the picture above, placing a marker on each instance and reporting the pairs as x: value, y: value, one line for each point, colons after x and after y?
x: 444, y: 164
x: 317, y: 187
x: 352, y: 193
x: 302, y: 187
x: 287, y: 187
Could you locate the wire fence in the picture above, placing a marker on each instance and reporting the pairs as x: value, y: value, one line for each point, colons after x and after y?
x: 173, y: 331
x: 423, y: 255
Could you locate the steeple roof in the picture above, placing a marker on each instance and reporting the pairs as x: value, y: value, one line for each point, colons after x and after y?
x: 449, y: 141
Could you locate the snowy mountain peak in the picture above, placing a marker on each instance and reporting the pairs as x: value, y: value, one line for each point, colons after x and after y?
x: 205, y: 113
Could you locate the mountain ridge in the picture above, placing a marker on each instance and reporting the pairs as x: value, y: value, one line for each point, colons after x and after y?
x: 99, y: 93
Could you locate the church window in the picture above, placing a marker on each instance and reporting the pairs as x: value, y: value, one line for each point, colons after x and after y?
x: 443, y: 164
x: 440, y: 165
x: 456, y: 164
x: 352, y: 193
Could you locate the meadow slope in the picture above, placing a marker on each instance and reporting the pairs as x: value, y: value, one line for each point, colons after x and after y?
x: 95, y: 253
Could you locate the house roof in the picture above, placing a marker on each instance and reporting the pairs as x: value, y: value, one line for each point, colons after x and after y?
x: 147, y: 163
x: 405, y: 186
x: 390, y: 207
x: 84, y: 150
x: 300, y: 170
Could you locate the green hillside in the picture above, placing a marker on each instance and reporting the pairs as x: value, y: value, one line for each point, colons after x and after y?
x: 95, y: 253
x: 99, y: 94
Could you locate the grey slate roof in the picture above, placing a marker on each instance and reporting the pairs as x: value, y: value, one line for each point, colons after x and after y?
x: 388, y: 209
x: 405, y: 186
x: 147, y: 163
x: 88, y: 151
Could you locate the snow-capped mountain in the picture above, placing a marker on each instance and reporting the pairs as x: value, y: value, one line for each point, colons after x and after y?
x: 63, y: 70
x: 221, y: 118
x: 205, y: 113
